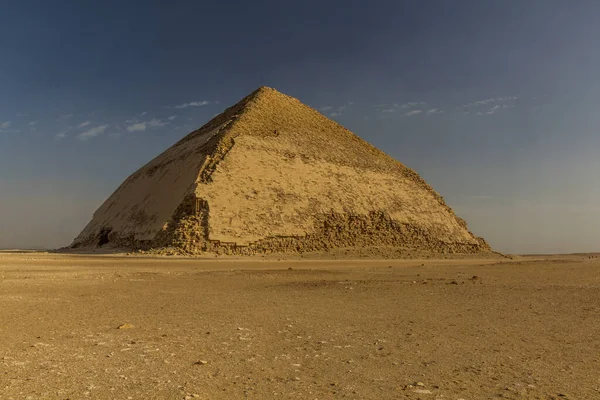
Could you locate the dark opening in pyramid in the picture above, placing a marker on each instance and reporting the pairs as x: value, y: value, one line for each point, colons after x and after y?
x: 271, y: 174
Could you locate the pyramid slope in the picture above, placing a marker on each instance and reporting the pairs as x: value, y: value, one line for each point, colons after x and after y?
x: 272, y: 174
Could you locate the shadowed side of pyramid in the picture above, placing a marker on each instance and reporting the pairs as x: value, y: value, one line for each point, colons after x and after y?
x: 271, y: 174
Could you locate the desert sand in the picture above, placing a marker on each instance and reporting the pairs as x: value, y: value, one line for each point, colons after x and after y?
x: 135, y: 327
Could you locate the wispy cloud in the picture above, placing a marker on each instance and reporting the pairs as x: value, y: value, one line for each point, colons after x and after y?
x: 144, y: 113
x: 492, y: 100
x: 86, y: 123
x: 140, y: 126
x: 191, y: 104
x: 156, y: 123
x: 325, y: 108
x: 32, y: 123
x: 412, y: 104
x: 60, y: 135
x: 396, y: 107
x: 136, y: 126
x: 493, y: 109
x: 486, y: 106
x: 339, y: 111
x: 92, y: 132
x: 22, y: 115
x: 412, y: 112
x: 4, y: 127
x: 172, y: 117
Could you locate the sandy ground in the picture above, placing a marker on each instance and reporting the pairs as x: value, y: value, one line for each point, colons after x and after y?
x: 522, y: 329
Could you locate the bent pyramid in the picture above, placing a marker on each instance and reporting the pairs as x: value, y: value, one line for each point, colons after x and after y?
x: 271, y: 174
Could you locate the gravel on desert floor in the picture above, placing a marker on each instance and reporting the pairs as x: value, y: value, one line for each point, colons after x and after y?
x: 115, y: 327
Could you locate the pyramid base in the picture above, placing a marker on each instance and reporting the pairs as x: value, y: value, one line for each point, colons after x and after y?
x: 375, y: 233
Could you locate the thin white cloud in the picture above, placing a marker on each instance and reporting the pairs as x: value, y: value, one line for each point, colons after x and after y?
x: 22, y: 115
x: 172, y: 117
x: 191, y: 104
x: 434, y: 111
x: 198, y: 103
x: 325, y: 108
x: 32, y: 123
x: 339, y: 111
x: 396, y: 107
x: 484, y: 102
x: 92, y: 132
x: 156, y: 123
x: 478, y: 103
x: 142, y: 126
x: 412, y: 112
x: 60, y: 135
x: 492, y: 110
x: 4, y: 127
x: 86, y: 123
x: 144, y: 113
x: 412, y: 104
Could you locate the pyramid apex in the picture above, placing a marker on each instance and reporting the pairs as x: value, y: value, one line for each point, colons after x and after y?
x: 265, y: 95
x: 265, y: 90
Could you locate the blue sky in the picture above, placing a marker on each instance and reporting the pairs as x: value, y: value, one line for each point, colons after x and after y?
x: 494, y: 103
